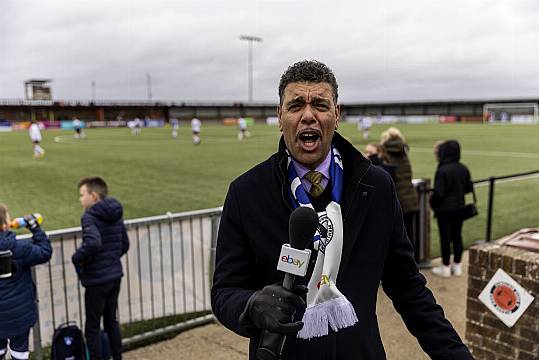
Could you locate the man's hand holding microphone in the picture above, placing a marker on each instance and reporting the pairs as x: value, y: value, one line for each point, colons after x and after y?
x: 273, y: 307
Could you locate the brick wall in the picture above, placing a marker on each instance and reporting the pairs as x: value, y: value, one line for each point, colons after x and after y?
x: 487, y: 337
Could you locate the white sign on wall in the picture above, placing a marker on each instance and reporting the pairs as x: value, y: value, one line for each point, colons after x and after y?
x: 505, y: 298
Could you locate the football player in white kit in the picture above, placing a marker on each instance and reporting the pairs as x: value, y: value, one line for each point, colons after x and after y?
x: 242, y: 129
x: 77, y: 125
x: 195, y: 127
x: 175, y: 126
x: 364, y: 125
x: 35, y: 136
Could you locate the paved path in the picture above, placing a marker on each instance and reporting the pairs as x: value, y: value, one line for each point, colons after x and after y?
x: 214, y: 342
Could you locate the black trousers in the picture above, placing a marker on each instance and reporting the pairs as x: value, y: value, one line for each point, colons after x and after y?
x: 17, y: 344
x: 450, y: 228
x: 102, y: 301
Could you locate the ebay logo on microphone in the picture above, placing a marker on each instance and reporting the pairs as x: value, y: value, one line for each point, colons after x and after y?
x: 290, y: 260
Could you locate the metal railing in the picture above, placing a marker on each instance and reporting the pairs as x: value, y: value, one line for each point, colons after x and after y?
x: 491, y: 181
x: 166, y: 273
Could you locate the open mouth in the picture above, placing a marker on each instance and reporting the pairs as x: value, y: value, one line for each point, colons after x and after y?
x: 309, y: 138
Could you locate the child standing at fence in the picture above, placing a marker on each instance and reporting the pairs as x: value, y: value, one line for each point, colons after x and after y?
x: 18, y: 307
x: 97, y: 262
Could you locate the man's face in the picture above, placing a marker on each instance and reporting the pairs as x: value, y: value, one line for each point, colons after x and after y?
x: 86, y: 198
x: 308, y: 117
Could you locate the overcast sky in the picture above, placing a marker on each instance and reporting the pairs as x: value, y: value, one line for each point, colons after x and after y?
x: 379, y: 50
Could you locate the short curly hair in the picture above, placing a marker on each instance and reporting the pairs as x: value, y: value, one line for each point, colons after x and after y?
x: 308, y: 71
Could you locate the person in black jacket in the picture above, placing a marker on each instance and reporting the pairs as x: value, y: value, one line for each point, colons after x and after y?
x: 451, y: 182
x: 97, y: 262
x: 247, y: 296
x: 18, y: 306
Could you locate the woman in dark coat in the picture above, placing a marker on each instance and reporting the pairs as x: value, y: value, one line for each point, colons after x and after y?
x: 395, y: 154
x: 452, y: 181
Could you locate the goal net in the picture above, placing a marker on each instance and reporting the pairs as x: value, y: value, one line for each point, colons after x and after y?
x: 520, y: 113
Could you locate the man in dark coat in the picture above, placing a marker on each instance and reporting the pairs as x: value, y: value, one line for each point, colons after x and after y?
x: 97, y: 262
x: 18, y: 306
x: 246, y: 294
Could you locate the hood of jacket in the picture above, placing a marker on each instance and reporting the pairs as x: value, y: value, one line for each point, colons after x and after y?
x: 449, y: 152
x: 109, y: 209
x: 395, y: 146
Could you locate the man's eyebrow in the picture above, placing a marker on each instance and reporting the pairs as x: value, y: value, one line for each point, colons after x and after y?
x: 296, y: 100
x: 318, y: 100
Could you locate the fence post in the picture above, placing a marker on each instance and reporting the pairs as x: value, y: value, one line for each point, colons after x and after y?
x: 36, y: 330
x: 420, y: 237
x: 491, y: 182
x: 215, y: 219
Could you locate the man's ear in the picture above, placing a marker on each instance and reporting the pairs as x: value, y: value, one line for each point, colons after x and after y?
x: 279, y: 117
x: 337, y: 115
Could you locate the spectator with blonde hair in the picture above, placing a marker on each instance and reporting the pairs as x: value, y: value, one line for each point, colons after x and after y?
x: 395, y: 153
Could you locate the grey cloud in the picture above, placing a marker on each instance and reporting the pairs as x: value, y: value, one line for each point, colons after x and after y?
x: 379, y: 50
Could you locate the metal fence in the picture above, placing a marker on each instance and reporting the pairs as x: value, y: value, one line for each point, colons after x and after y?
x: 509, y: 204
x: 167, y: 273
x: 491, y: 181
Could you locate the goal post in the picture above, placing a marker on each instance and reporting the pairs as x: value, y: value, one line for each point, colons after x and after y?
x: 523, y: 113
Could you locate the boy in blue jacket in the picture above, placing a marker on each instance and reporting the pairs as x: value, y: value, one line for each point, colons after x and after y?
x: 97, y: 262
x: 18, y: 306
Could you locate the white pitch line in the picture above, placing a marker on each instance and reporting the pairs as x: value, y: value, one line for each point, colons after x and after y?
x: 486, y: 153
x: 502, y: 181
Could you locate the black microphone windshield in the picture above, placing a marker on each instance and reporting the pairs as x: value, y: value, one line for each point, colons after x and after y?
x: 302, y: 226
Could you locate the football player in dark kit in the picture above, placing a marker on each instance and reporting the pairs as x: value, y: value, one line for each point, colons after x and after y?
x: 331, y: 312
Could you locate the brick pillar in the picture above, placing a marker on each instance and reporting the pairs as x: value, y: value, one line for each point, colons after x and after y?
x: 487, y: 337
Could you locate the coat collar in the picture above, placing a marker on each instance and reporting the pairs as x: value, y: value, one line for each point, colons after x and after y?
x: 355, y: 164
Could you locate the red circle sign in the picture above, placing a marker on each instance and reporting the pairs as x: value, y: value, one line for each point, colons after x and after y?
x: 505, y: 297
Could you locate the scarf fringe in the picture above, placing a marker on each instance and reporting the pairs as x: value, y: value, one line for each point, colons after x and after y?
x: 337, y: 313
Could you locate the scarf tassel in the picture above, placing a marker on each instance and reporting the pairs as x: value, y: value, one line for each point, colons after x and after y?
x: 337, y: 313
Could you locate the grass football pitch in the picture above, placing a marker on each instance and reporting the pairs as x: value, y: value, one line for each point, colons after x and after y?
x: 154, y: 173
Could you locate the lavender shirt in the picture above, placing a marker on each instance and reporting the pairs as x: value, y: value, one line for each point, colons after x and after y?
x: 323, y: 168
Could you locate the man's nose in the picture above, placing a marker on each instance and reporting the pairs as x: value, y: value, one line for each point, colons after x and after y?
x: 307, y: 117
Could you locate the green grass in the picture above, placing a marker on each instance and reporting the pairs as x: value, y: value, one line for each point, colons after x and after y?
x: 153, y: 173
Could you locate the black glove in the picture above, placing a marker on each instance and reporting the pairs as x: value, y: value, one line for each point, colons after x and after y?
x: 31, y: 222
x: 273, y: 307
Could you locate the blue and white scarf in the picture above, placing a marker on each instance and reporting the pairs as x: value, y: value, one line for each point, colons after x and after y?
x: 326, y: 305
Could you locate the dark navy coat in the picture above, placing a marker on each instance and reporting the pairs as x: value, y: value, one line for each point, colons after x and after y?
x: 18, y: 307
x: 254, y: 226
x: 104, y: 241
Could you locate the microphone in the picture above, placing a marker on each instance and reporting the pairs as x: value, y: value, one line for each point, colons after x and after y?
x: 301, y: 228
